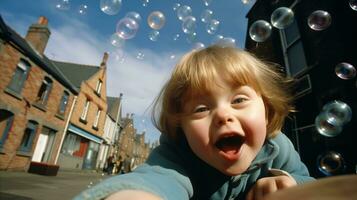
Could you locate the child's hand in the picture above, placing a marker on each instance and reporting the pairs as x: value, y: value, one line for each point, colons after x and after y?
x: 133, y: 195
x: 269, y: 185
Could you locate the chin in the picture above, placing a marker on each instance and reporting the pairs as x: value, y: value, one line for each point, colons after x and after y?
x: 233, y: 170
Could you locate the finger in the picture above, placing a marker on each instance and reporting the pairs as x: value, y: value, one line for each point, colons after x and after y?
x: 269, y: 187
x: 250, y: 195
x: 284, y: 182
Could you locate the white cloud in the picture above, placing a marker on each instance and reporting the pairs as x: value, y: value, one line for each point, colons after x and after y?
x: 139, y: 80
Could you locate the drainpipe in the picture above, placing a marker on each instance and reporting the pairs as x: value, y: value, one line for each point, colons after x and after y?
x: 65, y: 128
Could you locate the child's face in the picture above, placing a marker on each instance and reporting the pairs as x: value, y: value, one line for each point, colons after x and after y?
x: 226, y: 128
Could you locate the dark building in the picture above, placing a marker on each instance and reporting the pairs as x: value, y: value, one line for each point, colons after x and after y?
x: 310, y: 57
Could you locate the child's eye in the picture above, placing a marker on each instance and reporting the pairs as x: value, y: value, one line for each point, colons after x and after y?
x: 200, y: 109
x: 238, y: 100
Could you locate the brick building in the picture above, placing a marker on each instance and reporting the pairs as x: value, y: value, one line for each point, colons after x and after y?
x: 35, y: 99
x: 84, y: 135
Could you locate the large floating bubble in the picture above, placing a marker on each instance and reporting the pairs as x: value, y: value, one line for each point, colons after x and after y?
x: 331, y: 163
x: 134, y: 15
x: 127, y: 28
x: 183, y: 12
x: 339, y: 111
x: 353, y: 4
x: 145, y: 2
x: 206, y: 16
x: 82, y: 9
x: 319, y: 20
x: 260, y: 30
x: 156, y: 20
x: 212, y: 26
x: 189, y: 24
x: 110, y: 7
x: 154, y: 35
x: 282, y: 17
x: 345, y: 71
x: 116, y: 40
x: 327, y: 125
x: 63, y: 4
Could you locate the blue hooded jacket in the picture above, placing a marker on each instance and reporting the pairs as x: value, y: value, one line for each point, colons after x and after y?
x: 174, y: 172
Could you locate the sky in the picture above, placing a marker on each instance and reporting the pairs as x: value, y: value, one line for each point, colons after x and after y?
x: 137, y: 67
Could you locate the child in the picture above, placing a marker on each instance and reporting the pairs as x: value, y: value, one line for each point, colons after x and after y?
x: 220, y: 116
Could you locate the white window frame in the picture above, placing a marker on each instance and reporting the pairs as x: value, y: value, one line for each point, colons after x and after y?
x: 85, y: 110
x: 95, y: 124
x: 99, y: 86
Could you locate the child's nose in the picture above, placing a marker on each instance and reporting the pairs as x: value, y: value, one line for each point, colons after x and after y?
x: 223, y: 116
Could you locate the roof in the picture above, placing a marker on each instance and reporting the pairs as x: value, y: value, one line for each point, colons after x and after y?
x: 76, y: 73
x: 114, y: 107
x: 18, y: 42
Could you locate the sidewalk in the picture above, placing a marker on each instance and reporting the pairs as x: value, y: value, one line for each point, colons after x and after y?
x: 26, y: 186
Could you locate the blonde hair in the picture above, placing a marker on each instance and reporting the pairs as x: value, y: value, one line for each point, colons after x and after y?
x: 195, y: 73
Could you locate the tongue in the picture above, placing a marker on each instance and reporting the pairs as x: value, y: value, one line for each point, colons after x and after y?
x: 230, y: 149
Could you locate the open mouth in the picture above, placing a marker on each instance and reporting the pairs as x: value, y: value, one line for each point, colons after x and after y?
x: 230, y: 144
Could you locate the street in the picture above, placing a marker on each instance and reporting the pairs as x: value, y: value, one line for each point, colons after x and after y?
x: 26, y: 186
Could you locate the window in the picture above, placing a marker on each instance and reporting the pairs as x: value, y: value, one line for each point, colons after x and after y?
x: 6, y: 119
x: 27, y: 139
x: 293, y: 50
x: 75, y: 145
x: 63, y: 103
x: 85, y: 110
x: 99, y: 87
x: 20, y: 76
x: 97, y: 118
x: 44, y: 91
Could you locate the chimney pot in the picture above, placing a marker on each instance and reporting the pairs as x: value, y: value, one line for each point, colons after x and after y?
x: 42, y: 20
x: 105, y: 58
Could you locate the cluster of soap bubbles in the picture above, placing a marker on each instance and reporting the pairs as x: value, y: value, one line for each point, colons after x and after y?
x: 332, y: 118
x: 282, y: 17
x: 331, y: 163
x: 66, y: 5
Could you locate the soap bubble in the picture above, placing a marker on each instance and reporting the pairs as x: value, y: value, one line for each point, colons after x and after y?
x: 82, y: 9
x: 246, y: 1
x: 156, y: 20
x: 327, y: 125
x: 191, y: 37
x: 63, y: 4
x: 145, y: 2
x: 212, y: 26
x: 154, y: 35
x: 134, y: 15
x: 110, y: 7
x: 345, y: 71
x: 176, y: 6
x: 353, y: 4
x: 340, y: 111
x: 207, y: 2
x: 140, y: 55
x: 127, y: 28
x: 319, y: 20
x: 176, y: 37
x: 331, y: 163
x: 226, y: 42
x: 118, y: 55
x: 216, y: 39
x: 206, y: 16
x: 198, y: 46
x: 183, y: 12
x: 116, y: 40
x: 282, y: 17
x: 260, y: 30
x: 189, y: 24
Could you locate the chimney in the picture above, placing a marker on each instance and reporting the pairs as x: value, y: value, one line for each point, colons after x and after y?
x: 105, y: 59
x: 38, y: 34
